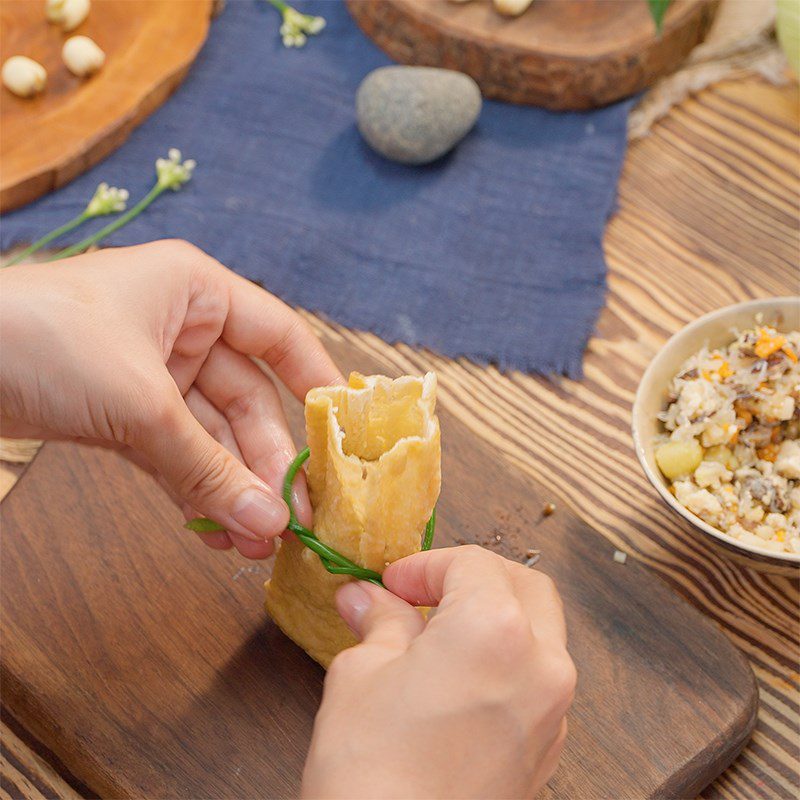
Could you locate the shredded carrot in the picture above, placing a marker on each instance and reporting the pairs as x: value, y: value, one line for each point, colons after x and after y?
x: 743, y: 413
x: 780, y: 535
x: 768, y: 452
x: 768, y: 344
x: 725, y: 370
x: 790, y: 354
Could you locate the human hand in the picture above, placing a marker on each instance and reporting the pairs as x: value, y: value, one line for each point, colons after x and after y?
x: 146, y: 349
x: 469, y: 704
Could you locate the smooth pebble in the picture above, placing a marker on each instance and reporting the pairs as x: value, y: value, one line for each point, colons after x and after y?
x: 415, y: 115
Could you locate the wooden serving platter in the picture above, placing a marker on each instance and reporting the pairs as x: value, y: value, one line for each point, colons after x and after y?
x: 561, y: 54
x: 146, y: 664
x: 52, y: 138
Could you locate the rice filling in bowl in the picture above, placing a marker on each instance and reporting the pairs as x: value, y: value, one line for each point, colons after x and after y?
x: 731, y: 447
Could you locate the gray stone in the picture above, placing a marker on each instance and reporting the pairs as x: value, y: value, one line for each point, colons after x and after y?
x: 416, y: 114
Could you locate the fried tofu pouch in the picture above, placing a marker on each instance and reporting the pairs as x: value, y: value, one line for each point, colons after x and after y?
x: 374, y: 476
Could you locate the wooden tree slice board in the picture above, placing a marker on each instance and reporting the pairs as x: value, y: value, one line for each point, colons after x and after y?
x: 561, y: 54
x: 52, y: 138
x: 145, y: 662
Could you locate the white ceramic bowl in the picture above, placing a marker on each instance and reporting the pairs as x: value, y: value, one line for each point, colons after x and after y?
x: 712, y: 330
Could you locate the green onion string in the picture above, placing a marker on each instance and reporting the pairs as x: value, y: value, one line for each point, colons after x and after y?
x: 430, y: 529
x: 334, y: 562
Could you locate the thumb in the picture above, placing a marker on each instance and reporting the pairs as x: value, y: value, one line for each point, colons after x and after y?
x: 207, y: 476
x: 377, y: 616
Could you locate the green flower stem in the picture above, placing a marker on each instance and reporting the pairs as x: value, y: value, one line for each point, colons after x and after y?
x: 121, y: 220
x: 279, y: 4
x: 48, y: 237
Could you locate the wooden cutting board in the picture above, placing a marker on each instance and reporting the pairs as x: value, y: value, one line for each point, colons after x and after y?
x: 145, y: 663
x: 52, y: 138
x: 561, y: 54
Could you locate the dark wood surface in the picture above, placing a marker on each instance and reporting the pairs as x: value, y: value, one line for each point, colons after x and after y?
x: 146, y: 664
x: 52, y: 138
x: 561, y: 54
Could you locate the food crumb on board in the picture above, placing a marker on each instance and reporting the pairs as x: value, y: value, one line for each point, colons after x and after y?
x: 245, y: 571
x: 549, y: 508
x: 532, y: 557
x: 620, y: 557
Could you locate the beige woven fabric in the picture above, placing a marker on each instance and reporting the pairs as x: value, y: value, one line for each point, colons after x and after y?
x: 740, y: 42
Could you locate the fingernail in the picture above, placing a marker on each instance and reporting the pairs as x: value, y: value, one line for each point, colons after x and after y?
x: 260, y: 514
x: 274, y: 475
x: 353, y: 603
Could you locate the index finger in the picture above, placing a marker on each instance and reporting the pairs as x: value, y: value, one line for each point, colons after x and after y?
x: 259, y: 324
x: 427, y: 578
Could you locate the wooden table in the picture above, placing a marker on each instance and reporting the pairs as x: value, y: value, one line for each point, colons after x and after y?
x: 708, y: 216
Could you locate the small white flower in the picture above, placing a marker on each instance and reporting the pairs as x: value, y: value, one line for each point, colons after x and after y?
x: 172, y: 174
x: 296, y: 26
x: 107, y: 200
x: 315, y: 25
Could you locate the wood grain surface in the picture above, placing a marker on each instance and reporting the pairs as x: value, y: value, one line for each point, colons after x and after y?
x: 146, y: 663
x: 709, y: 206
x: 709, y: 209
x: 561, y: 54
x: 52, y: 138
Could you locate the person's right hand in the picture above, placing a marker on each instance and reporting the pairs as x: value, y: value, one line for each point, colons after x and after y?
x: 470, y: 704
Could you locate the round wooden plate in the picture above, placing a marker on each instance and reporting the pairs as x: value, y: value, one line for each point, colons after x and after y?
x: 48, y: 140
x: 561, y: 54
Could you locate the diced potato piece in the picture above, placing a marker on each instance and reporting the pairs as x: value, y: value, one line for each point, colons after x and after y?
x: 676, y: 459
x: 788, y: 461
x: 711, y: 474
x: 723, y: 455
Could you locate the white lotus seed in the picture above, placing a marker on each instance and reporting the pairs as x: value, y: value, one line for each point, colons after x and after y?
x: 511, y: 8
x: 53, y: 10
x: 67, y: 13
x: 82, y: 56
x: 24, y: 76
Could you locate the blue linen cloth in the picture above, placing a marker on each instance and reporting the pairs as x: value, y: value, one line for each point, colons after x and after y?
x: 493, y: 252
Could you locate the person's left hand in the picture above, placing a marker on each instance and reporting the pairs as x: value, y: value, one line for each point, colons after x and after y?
x: 146, y: 349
